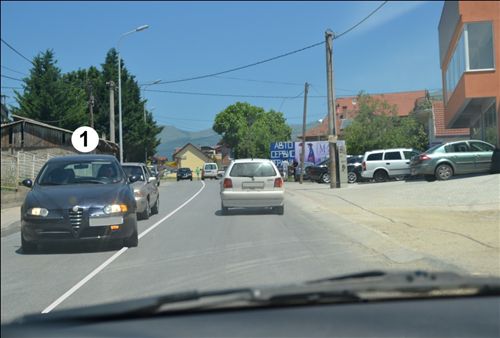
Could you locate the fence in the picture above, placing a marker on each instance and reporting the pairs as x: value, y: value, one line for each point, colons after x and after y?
x: 16, y: 168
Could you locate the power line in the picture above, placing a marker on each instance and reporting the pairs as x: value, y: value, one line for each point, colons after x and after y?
x: 12, y: 78
x: 16, y: 51
x: 219, y: 94
x: 359, y: 23
x: 6, y: 87
x: 245, y: 66
x: 15, y: 71
x: 260, y: 81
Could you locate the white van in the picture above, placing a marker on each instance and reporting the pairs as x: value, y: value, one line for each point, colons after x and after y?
x: 209, y: 171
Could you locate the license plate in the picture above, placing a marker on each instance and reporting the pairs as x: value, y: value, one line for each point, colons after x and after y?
x: 253, y: 185
x: 101, y: 221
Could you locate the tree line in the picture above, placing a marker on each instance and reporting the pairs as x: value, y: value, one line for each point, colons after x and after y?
x: 63, y: 100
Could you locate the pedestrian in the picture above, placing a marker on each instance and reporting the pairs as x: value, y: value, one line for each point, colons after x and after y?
x: 285, y: 169
x: 197, y: 171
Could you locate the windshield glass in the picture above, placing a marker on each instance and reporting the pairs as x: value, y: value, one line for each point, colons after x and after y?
x: 76, y: 172
x: 241, y: 144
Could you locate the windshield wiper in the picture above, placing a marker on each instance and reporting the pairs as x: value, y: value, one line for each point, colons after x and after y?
x: 90, y: 181
x: 351, y: 288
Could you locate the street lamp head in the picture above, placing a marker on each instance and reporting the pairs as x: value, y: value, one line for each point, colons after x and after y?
x: 156, y: 81
x: 141, y: 28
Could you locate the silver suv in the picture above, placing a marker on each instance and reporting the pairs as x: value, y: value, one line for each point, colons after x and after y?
x: 380, y: 165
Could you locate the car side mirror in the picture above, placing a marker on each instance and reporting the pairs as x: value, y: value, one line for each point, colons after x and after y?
x: 27, y: 183
x: 134, y: 178
x: 152, y: 179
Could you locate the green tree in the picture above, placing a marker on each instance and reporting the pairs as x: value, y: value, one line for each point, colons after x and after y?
x: 377, y: 126
x: 48, y: 98
x: 249, y: 130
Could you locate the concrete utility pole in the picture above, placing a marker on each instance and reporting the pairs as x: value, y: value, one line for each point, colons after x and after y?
x: 332, y: 138
x: 303, y: 154
x: 91, y: 105
x: 111, y: 85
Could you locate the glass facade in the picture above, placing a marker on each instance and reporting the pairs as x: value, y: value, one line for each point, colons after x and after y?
x: 474, y: 51
x: 485, y: 127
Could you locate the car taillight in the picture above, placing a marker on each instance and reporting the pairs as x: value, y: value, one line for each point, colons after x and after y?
x: 278, y: 182
x: 424, y: 157
x: 228, y: 183
x: 363, y: 165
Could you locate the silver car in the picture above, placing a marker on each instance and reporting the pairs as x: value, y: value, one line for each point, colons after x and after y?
x: 145, y: 189
x: 252, y: 183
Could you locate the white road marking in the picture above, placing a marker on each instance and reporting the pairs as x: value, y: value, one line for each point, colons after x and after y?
x: 115, y: 256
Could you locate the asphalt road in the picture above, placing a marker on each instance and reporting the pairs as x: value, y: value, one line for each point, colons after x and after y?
x: 188, y: 245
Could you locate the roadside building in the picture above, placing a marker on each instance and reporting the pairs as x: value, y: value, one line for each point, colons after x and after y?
x: 469, y: 35
x: 191, y: 157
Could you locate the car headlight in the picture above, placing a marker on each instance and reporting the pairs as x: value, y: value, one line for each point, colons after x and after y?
x: 38, y: 212
x: 138, y: 193
x: 114, y: 208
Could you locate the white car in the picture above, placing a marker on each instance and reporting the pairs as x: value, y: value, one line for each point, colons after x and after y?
x: 209, y: 171
x: 382, y: 164
x: 252, y: 183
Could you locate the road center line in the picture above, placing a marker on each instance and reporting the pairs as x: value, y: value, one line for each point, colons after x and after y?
x: 115, y: 256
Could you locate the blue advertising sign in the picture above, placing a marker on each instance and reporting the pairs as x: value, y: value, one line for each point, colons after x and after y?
x: 281, y: 151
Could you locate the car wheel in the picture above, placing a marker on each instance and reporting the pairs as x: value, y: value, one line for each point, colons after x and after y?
x: 147, y: 212
x: 430, y: 178
x: 28, y: 247
x: 280, y: 210
x: 132, y: 241
x: 156, y: 207
x: 325, y: 178
x: 202, y: 178
x: 380, y: 176
x: 444, y: 172
x: 352, y: 177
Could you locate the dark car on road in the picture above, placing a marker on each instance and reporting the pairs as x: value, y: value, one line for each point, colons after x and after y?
x: 460, y: 157
x: 76, y: 198
x: 184, y: 174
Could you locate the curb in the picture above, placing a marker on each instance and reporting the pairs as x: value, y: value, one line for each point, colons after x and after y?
x: 11, y: 228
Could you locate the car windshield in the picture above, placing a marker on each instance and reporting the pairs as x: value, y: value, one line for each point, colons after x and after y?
x: 134, y: 171
x: 154, y: 147
x: 77, y: 172
x: 252, y: 169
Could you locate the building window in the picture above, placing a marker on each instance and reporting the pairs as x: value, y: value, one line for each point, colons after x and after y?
x: 490, y: 125
x: 480, y: 43
x: 474, y: 51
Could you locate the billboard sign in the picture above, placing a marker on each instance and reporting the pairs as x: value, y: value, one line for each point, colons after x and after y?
x: 281, y: 151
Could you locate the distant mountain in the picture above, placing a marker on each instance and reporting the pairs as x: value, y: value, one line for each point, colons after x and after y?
x: 172, y: 138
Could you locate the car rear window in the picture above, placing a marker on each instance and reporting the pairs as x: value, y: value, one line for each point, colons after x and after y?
x: 252, y: 169
x: 392, y: 155
x: 210, y: 167
x: 374, y: 157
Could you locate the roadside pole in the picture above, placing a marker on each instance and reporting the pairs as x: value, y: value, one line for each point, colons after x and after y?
x: 332, y: 138
x: 302, y: 156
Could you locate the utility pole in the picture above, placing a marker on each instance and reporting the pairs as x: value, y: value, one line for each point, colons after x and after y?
x: 303, y: 154
x: 332, y: 138
x: 111, y: 85
x: 91, y: 105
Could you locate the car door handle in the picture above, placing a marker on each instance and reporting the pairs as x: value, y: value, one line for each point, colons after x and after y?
x: 388, y: 164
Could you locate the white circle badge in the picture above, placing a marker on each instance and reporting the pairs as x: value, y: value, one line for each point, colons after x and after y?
x: 85, y: 139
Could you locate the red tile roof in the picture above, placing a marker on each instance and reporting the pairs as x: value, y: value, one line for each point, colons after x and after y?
x: 347, y: 108
x: 439, y: 124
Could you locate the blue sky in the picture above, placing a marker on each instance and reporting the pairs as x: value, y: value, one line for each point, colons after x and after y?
x: 394, y: 50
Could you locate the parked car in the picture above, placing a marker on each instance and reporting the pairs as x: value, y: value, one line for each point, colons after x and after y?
x: 319, y: 173
x: 79, y: 198
x: 145, y: 189
x: 454, y: 158
x: 184, y: 174
x: 154, y: 171
x: 252, y: 183
x: 298, y: 170
x: 380, y: 165
x: 209, y: 171
x: 221, y: 172
x: 354, y: 168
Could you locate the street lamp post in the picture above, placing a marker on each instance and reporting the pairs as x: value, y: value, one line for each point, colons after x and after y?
x: 120, y: 127
x: 145, y: 85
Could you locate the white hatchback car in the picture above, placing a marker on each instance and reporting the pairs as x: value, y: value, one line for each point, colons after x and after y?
x: 252, y: 183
